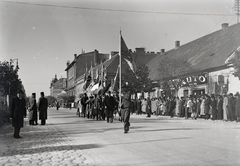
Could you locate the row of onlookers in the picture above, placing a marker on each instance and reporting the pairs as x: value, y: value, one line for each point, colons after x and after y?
x: 216, y: 107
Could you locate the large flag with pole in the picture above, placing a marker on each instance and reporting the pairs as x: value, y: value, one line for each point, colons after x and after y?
x: 126, y: 55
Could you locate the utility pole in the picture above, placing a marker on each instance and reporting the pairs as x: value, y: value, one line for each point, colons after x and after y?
x: 237, y: 9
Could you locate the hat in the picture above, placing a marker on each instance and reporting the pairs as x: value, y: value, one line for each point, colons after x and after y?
x: 237, y: 94
x: 20, y: 91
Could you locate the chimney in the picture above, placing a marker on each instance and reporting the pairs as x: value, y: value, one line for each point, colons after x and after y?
x: 95, y: 62
x: 68, y: 63
x: 177, y: 44
x: 75, y: 56
x: 224, y: 25
x: 162, y: 51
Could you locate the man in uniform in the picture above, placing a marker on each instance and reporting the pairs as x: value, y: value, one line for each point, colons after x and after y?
x: 125, y: 110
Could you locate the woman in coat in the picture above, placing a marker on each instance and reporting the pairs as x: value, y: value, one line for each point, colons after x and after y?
x: 33, y: 110
x: 18, y: 113
x: 225, y: 108
x: 144, y: 105
x: 178, y: 106
x: 42, y: 107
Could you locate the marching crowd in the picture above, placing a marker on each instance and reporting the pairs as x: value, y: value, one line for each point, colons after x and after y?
x: 214, y: 107
x: 103, y: 107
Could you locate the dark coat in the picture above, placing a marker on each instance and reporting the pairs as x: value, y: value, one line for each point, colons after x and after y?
x: 33, y: 108
x: 110, y: 105
x: 84, y: 103
x: 220, y: 108
x: 97, y: 106
x: 42, y: 107
x: 149, y: 106
x: 139, y: 106
x: 207, y: 105
x: 18, y: 112
x: 237, y: 108
x: 125, y: 110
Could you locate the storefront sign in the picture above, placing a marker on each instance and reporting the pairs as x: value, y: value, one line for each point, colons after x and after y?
x: 194, y: 80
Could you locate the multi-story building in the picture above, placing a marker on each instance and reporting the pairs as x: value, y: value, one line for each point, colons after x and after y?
x: 57, y: 86
x: 78, y: 67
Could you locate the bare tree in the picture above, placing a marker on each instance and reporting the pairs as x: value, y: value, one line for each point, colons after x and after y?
x: 171, y: 70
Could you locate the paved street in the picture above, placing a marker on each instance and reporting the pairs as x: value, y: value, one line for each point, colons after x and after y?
x: 71, y: 140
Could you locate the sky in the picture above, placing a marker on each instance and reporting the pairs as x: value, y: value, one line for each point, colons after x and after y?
x: 44, y: 34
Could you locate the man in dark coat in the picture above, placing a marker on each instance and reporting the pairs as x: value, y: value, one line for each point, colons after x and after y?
x: 139, y: 106
x: 219, y: 108
x: 110, y: 104
x: 213, y: 106
x: 231, y: 107
x: 149, y: 107
x: 84, y: 100
x: 33, y: 110
x: 207, y: 107
x: 18, y: 113
x: 125, y: 110
x: 42, y: 107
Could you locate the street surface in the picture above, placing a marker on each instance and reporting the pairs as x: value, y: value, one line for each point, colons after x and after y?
x: 157, y: 141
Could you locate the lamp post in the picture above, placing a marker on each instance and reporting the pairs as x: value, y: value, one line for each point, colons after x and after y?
x: 9, y: 82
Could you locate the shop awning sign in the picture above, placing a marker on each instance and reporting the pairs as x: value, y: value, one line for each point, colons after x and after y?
x: 194, y: 80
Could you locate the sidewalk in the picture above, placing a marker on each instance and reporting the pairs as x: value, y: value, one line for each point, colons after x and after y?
x: 40, y: 145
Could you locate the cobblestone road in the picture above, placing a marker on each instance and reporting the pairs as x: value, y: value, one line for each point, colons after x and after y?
x: 40, y: 145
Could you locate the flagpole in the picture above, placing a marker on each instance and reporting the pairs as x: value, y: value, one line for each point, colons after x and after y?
x: 120, y: 71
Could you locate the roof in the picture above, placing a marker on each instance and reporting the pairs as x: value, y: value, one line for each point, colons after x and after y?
x: 207, y: 52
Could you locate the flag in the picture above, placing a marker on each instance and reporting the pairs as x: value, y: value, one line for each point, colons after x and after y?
x: 116, y: 80
x: 85, y: 78
x: 96, y: 76
x: 104, y: 77
x: 101, y: 76
x: 125, y: 53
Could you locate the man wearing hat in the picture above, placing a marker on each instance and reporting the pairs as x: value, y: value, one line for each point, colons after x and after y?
x: 42, y: 107
x: 33, y: 110
x: 110, y: 104
x: 18, y: 113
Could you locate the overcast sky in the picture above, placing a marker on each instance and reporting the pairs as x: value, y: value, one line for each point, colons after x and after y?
x: 44, y: 34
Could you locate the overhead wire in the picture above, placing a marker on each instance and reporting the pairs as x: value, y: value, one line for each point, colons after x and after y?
x: 117, y: 10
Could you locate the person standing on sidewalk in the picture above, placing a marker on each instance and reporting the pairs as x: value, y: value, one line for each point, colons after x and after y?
x: 33, y: 110
x: 42, y: 107
x: 125, y: 110
x: 18, y: 113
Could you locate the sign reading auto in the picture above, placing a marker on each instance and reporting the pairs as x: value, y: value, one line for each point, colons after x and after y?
x: 194, y: 80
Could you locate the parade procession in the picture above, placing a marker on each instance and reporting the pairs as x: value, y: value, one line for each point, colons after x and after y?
x: 120, y: 83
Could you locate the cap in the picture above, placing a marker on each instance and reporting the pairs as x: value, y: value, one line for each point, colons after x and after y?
x: 20, y: 91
